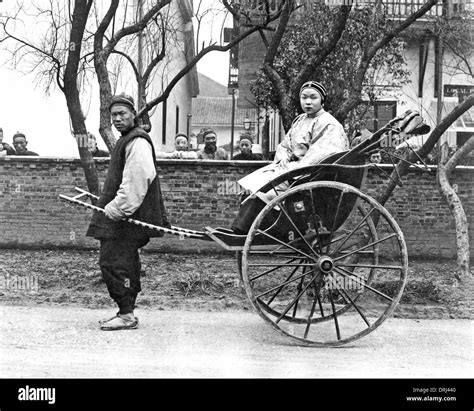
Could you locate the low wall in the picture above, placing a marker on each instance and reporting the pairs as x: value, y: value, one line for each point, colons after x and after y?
x: 198, y: 194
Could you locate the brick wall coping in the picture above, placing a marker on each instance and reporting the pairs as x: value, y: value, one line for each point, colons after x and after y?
x: 244, y: 163
x: 40, y: 159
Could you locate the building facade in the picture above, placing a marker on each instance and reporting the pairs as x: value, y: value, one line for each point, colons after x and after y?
x: 173, y: 115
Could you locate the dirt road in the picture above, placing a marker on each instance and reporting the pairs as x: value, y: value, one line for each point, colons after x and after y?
x: 64, y: 342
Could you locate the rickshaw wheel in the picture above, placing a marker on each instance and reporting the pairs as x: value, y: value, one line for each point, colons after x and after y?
x: 335, y: 267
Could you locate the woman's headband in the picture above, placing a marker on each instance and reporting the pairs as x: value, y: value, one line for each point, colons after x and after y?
x: 315, y: 85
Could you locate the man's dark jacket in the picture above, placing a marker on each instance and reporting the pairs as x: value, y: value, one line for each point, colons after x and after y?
x: 9, y: 148
x: 151, y: 211
x: 100, y: 153
x: 27, y: 153
x: 250, y: 156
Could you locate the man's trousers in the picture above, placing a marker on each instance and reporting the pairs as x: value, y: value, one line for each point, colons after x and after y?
x: 120, y: 265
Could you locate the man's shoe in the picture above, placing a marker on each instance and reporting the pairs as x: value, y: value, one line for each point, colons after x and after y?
x: 120, y: 322
x: 109, y: 318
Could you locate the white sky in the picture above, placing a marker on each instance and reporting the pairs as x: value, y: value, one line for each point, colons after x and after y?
x: 44, y: 119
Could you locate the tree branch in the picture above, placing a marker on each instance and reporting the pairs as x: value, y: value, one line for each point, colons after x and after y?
x: 402, y: 167
x: 135, y: 28
x: 369, y: 53
x: 56, y: 63
x: 397, y: 30
x: 129, y: 59
x: 235, y: 13
x: 462, y: 152
x: 104, y: 24
x: 286, y: 11
x: 462, y: 56
x: 320, y: 55
x: 152, y: 103
x: 160, y: 56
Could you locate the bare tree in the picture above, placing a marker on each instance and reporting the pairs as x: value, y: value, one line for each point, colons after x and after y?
x: 71, y: 91
x: 78, y: 34
x: 57, y: 57
x: 456, y: 206
x: 454, y: 202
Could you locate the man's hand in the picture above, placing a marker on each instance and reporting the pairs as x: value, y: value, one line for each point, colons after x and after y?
x: 111, y: 212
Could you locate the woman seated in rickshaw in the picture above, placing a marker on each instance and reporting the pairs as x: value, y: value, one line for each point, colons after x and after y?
x: 313, y: 136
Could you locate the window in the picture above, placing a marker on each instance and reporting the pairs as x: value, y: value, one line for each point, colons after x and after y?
x: 163, y: 125
x: 466, y: 120
x: 462, y: 137
x: 459, y: 7
x: 380, y: 114
x: 177, y: 120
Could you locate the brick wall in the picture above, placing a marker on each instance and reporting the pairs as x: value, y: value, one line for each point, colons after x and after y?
x: 197, y: 194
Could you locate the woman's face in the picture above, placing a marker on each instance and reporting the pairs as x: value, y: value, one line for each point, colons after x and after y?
x: 311, y: 101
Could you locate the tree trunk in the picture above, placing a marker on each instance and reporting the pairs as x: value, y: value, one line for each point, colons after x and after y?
x: 100, y: 65
x: 71, y: 92
x: 105, y: 95
x: 457, y: 210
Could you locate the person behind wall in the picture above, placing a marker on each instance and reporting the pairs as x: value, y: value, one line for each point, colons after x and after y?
x: 20, y: 144
x: 5, y: 148
x: 131, y: 189
x: 94, y: 149
x: 245, y: 145
x: 314, y: 135
x: 182, y: 151
x: 210, y: 150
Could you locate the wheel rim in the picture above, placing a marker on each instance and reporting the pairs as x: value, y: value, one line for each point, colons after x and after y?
x: 332, y: 284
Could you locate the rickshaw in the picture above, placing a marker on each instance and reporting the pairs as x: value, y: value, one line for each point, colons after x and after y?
x: 323, y: 263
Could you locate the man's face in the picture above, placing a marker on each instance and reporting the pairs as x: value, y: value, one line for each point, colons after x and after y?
x: 123, y: 118
x: 376, y: 158
x: 210, y: 140
x: 245, y: 146
x: 20, y: 144
x: 310, y: 100
x: 181, y: 144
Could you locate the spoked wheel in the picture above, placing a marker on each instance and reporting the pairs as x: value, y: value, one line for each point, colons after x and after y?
x: 335, y: 268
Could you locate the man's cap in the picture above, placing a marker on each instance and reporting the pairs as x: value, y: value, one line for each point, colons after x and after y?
x: 181, y: 135
x: 18, y: 134
x: 248, y: 137
x: 124, y: 100
x: 317, y: 86
x: 207, y: 132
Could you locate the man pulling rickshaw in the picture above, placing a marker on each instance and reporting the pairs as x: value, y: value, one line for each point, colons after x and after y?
x: 311, y: 247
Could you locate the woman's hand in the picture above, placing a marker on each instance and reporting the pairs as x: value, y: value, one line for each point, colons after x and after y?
x: 283, y: 163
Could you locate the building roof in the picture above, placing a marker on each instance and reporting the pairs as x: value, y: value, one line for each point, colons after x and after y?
x: 217, y: 111
x: 211, y: 88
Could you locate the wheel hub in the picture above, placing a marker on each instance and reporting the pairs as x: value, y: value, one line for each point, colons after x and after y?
x: 325, y: 264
